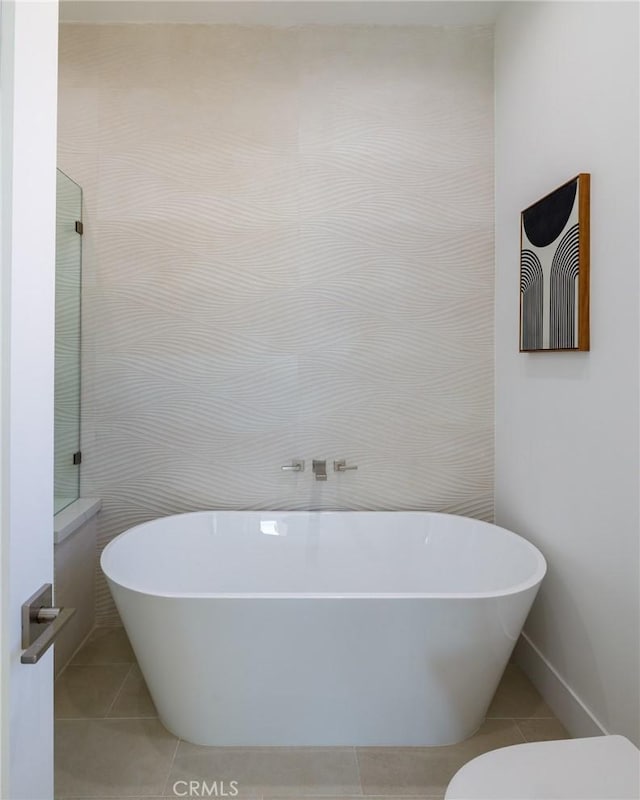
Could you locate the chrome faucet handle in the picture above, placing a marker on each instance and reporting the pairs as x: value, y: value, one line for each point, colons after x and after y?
x: 341, y: 466
x: 294, y: 466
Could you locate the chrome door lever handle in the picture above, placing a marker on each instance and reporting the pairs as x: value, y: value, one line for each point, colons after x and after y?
x: 36, y: 613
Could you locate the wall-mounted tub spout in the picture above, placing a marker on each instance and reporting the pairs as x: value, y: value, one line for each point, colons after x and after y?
x: 320, y: 470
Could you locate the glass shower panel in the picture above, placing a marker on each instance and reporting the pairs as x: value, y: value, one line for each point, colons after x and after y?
x: 67, y: 344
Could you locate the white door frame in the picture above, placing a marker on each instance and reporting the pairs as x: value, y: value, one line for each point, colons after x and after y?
x: 28, y: 106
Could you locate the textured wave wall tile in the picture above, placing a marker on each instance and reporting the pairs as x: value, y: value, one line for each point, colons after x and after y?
x: 288, y: 253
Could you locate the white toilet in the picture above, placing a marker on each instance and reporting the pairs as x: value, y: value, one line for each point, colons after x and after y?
x: 598, y: 768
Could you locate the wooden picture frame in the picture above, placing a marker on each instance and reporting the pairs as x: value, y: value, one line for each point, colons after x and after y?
x: 554, y: 270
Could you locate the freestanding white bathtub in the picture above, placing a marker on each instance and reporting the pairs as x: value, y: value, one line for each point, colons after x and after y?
x: 322, y: 628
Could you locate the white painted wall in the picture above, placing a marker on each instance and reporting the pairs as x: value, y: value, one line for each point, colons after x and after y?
x: 567, y: 424
x: 26, y: 418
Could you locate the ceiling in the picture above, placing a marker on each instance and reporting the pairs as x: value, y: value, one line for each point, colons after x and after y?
x: 283, y: 12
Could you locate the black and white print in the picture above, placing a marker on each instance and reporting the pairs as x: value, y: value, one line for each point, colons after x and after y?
x: 550, y: 271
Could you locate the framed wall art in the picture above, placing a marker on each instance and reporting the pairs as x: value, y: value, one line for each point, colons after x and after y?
x: 554, y: 270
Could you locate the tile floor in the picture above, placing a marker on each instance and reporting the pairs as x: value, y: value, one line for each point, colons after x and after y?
x: 110, y: 744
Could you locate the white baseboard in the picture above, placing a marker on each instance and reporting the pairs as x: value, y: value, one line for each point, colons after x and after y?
x: 559, y: 696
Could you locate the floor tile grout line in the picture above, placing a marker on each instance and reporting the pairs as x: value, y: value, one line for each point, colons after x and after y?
x: 521, y: 732
x: 280, y: 797
x: 358, y: 770
x: 97, y: 664
x: 100, y: 719
x: 119, y: 692
x: 74, y: 654
x: 170, y: 770
x: 515, y: 719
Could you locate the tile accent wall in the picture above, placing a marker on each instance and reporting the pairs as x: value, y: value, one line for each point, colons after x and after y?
x: 288, y: 254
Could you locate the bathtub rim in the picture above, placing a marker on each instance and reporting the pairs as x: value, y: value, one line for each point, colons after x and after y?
x: 533, y: 581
